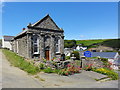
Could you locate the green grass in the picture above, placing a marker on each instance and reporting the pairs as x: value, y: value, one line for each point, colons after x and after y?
x: 90, y: 42
x: 91, y: 57
x: 18, y: 61
x: 48, y: 70
x: 101, y: 78
x: 110, y: 73
x: 114, y: 43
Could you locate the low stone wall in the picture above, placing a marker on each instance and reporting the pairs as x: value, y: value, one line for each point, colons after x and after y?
x: 95, y: 62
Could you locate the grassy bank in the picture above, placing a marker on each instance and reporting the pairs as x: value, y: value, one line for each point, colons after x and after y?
x: 110, y: 73
x: 114, y: 43
x: 90, y: 42
x: 19, y: 62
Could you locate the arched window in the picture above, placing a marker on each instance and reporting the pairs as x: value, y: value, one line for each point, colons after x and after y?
x: 35, y: 44
x: 57, y: 45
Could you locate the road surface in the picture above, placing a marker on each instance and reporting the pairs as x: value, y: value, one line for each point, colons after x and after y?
x: 13, y: 77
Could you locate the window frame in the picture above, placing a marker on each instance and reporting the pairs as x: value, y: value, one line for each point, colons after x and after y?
x: 35, y: 44
x: 57, y: 49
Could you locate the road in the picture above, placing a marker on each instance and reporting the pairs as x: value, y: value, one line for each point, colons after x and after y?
x: 13, y: 77
x: 80, y: 80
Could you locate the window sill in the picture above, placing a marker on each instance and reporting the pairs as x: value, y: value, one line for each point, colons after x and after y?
x: 36, y: 53
x: 57, y: 53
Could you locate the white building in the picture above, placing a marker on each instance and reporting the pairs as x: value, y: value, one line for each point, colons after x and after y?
x: 6, y: 42
x: 80, y: 48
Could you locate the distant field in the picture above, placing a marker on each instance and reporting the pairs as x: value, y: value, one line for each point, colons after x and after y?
x: 114, y: 43
x: 89, y: 42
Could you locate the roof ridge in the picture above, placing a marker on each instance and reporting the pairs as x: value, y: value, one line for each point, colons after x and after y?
x: 7, y: 36
x: 40, y: 20
x: 44, y: 19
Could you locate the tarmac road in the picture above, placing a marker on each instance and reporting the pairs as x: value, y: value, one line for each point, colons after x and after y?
x: 13, y: 77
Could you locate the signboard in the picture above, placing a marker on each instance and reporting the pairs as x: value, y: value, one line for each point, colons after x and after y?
x: 87, y: 54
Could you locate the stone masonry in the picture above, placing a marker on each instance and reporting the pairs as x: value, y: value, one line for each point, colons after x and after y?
x: 43, y: 39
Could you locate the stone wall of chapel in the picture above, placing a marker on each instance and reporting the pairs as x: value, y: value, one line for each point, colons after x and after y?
x: 25, y: 47
x: 20, y: 46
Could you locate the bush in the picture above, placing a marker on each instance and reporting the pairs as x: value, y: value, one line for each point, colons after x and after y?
x: 48, y: 70
x: 104, y: 60
x: 42, y: 66
x: 109, y: 73
x: 69, y: 43
x: 64, y: 72
x: 56, y: 71
x: 76, y: 54
x: 67, y: 57
x: 71, y: 69
x: 88, y: 67
x: 106, y: 63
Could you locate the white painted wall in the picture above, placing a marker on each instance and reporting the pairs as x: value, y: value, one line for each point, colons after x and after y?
x: 6, y: 44
x: 83, y: 48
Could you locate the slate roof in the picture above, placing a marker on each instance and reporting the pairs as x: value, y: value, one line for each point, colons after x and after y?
x: 8, y: 38
x: 41, y: 20
x: 32, y: 25
x: 24, y: 31
x: 109, y: 55
x: 104, y: 54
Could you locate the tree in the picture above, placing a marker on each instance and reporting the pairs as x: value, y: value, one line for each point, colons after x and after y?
x: 76, y: 54
x: 69, y: 43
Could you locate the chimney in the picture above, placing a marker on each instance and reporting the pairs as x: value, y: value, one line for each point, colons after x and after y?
x: 23, y: 29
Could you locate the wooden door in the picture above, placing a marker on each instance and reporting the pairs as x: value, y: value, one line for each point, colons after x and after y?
x: 47, y: 54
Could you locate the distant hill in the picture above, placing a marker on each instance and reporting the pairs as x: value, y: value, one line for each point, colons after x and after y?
x: 90, y: 42
x: 114, y: 43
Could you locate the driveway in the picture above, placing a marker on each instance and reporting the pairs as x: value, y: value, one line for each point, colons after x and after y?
x: 13, y: 77
x: 85, y: 79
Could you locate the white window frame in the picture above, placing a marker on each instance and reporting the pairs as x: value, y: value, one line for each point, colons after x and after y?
x: 17, y: 47
x: 36, y: 44
x: 58, y: 45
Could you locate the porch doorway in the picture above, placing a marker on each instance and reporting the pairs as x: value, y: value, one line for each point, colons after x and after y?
x: 47, y: 54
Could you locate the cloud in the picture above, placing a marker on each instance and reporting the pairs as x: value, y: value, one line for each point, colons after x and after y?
x: 82, y: 36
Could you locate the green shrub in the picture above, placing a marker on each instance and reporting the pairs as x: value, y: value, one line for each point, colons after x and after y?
x: 42, y: 66
x: 64, y: 72
x: 69, y: 43
x: 76, y: 54
x: 67, y: 57
x: 56, y: 70
x: 48, y: 70
x: 104, y: 60
x: 108, y: 72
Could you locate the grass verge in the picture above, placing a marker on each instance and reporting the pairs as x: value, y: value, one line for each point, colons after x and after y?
x: 110, y: 73
x: 19, y: 62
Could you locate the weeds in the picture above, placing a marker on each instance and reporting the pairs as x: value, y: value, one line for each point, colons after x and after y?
x: 18, y: 61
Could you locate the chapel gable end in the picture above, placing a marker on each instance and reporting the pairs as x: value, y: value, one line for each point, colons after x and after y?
x: 47, y: 23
